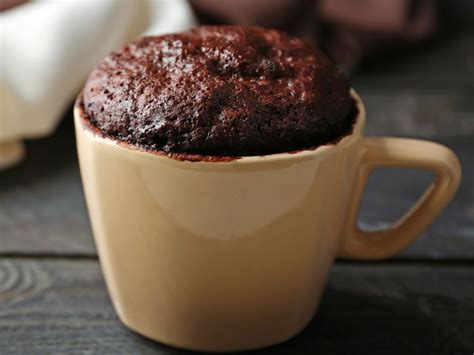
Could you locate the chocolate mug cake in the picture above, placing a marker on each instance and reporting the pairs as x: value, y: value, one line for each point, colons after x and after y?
x: 219, y: 90
x: 213, y: 233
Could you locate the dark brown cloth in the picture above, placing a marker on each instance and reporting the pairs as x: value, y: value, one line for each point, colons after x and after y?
x: 8, y: 4
x: 347, y: 30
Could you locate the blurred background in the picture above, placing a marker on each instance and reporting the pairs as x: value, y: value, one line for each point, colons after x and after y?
x: 411, y: 61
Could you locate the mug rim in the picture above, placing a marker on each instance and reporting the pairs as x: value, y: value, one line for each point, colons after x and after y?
x: 357, y: 129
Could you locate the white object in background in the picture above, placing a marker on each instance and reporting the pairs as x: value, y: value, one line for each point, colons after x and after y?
x: 47, y: 49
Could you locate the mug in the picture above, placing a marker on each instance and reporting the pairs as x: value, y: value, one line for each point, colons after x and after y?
x: 234, y: 255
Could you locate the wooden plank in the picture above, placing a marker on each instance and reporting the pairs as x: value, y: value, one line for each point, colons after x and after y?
x: 422, y: 110
x: 62, y: 307
x: 42, y: 209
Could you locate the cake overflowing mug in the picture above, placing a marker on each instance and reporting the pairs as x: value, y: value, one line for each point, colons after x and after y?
x: 233, y: 254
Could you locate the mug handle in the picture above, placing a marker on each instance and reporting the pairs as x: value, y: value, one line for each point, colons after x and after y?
x: 401, y: 152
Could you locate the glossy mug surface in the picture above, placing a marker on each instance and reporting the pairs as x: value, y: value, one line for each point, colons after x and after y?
x: 234, y: 255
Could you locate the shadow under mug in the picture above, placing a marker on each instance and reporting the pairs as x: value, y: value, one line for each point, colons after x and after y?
x: 234, y: 255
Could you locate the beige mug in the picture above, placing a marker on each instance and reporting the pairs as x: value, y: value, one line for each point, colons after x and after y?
x: 234, y: 255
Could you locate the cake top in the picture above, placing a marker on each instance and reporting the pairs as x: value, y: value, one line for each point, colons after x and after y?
x: 219, y: 90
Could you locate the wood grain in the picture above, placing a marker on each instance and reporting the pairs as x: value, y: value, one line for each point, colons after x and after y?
x: 62, y: 307
x: 42, y: 207
x: 439, y: 111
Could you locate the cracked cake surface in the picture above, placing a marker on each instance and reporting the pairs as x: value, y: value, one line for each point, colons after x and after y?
x: 219, y: 90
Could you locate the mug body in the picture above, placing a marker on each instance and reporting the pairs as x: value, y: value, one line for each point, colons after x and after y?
x: 217, y: 255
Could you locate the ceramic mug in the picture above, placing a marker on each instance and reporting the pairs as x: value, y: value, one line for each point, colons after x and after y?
x: 234, y: 255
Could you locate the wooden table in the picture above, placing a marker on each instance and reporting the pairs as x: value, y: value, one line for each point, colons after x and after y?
x: 52, y: 294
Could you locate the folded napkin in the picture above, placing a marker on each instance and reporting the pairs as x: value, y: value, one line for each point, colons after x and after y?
x: 47, y: 49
